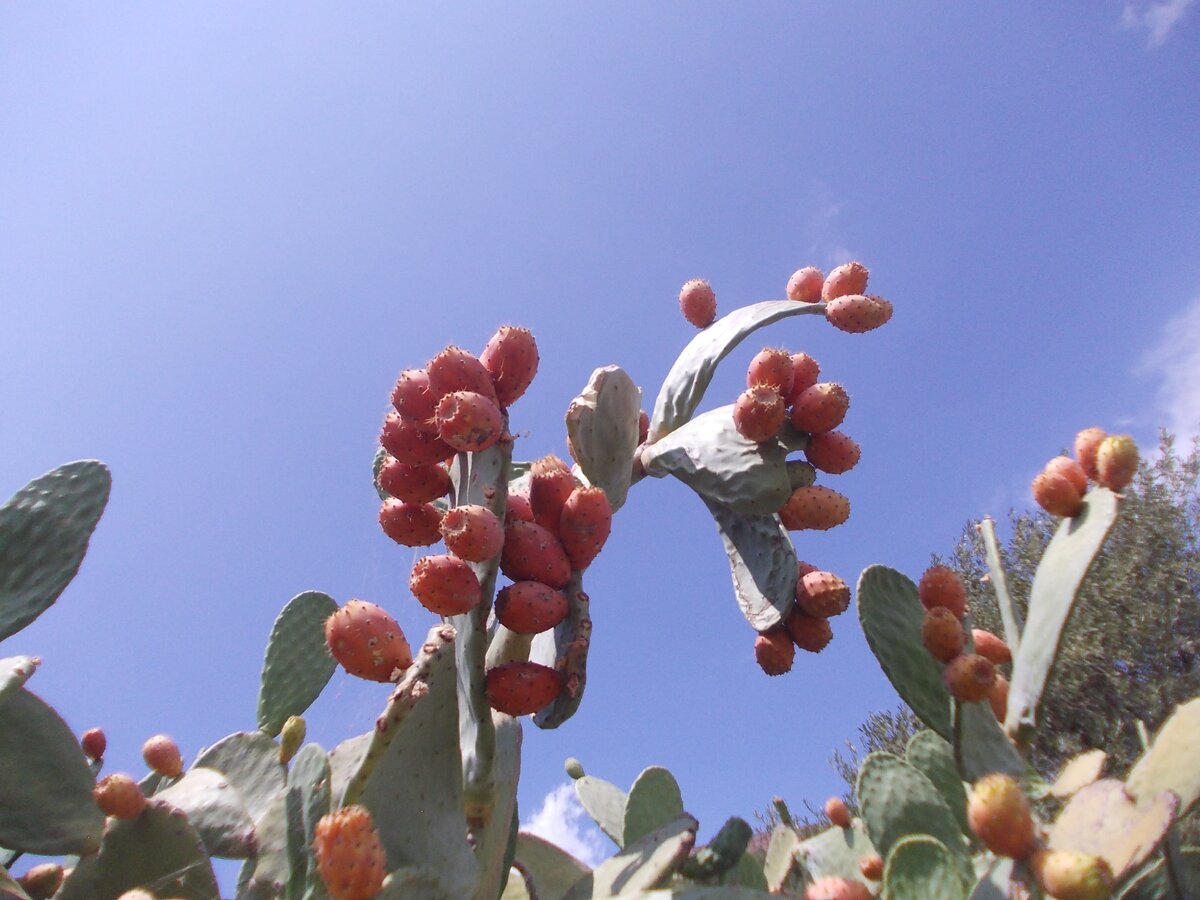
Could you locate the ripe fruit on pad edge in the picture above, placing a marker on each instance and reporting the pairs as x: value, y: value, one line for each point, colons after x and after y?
x: 698, y: 302
x: 941, y: 586
x: 349, y: 854
x: 444, y: 584
x: 520, y: 688
x: 367, y: 642
x: 999, y: 814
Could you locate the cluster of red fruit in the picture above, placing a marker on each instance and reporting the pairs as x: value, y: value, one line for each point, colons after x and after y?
x: 970, y: 677
x: 457, y: 404
x: 1110, y: 461
x: 819, y: 596
x: 118, y: 795
x: 999, y: 814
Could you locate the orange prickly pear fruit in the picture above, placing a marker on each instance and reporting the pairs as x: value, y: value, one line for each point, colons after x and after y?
x: 1071, y: 470
x: 94, y: 743
x: 455, y: 369
x: 472, y: 532
x: 969, y: 678
x: 468, y: 421
x: 698, y: 302
x: 550, y: 484
x: 405, y: 441
x: 814, y: 507
x: 942, y: 633
x: 856, y: 314
x: 871, y: 867
x: 808, y: 632
x: 533, y: 553
x: 1057, y: 494
x: 413, y: 484
x: 414, y: 400
x: 941, y: 586
x: 991, y: 647
x: 1087, y: 442
x: 773, y: 367
x: 999, y: 814
x: 1069, y: 875
x: 584, y: 525
x: 367, y: 642
x: 759, y: 412
x: 848, y: 278
x: 411, y: 524
x: 822, y: 594
x: 821, y: 407
x: 511, y: 358
x: 832, y: 452
x: 521, y: 688
x: 838, y: 812
x: 1116, y: 461
x: 349, y: 854
x: 119, y: 796
x: 805, y: 285
x: 445, y: 584
x: 805, y: 372
x: 774, y: 651
x: 998, y: 698
x: 162, y: 756
x: 530, y: 607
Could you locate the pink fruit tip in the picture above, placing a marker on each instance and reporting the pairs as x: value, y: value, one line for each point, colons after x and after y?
x: 698, y: 302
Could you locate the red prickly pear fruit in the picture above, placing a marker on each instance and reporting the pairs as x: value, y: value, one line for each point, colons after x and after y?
x: 518, y: 508
x: 999, y: 815
x: 805, y: 372
x: 94, y: 743
x: 162, y: 756
x: 521, y: 688
x: 42, y: 882
x: 772, y: 367
x: 1071, y: 875
x: 584, y: 525
x: 941, y: 586
x: 349, y: 854
x: 367, y: 642
x: 871, y: 867
x: 414, y: 400
x: 511, y: 358
x: 856, y: 314
x: 774, y: 651
x: 808, y: 632
x: 803, y: 568
x: 942, y: 634
x: 836, y: 888
x: 445, y: 585
x: 413, y: 484
x: 1116, y: 461
x: 998, y: 698
x: 1071, y: 470
x: 832, y: 452
x: 1087, y: 442
x: 838, y: 812
x: 530, y: 607
x: 469, y: 422
x: 1057, y: 494
x: 411, y: 524
x: 759, y: 413
x: 473, y: 533
x: 119, y: 796
x: 805, y: 285
x: 698, y: 302
x: 969, y: 677
x: 550, y: 484
x: 454, y: 369
x: 848, y: 278
x: 815, y: 507
x: 822, y: 594
x: 991, y: 647
x: 410, y: 445
x: 821, y: 407
x: 643, y: 426
x: 533, y: 553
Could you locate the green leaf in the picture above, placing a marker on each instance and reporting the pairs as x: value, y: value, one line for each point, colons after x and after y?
x: 1066, y: 561
x: 653, y: 801
x: 684, y: 387
x: 713, y: 459
x: 892, y: 615
x: 46, y: 803
x: 921, y: 868
x: 602, y: 425
x: 297, y: 665
x: 44, y: 533
x: 762, y: 562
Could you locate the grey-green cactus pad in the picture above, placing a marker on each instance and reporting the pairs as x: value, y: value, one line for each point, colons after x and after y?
x: 553, y: 871
x: 44, y: 533
x: 653, y: 801
x: 46, y: 803
x: 159, y: 851
x: 934, y: 757
x: 642, y: 865
x: 1170, y: 764
x: 762, y: 562
x: 602, y: 423
x: 921, y: 868
x: 892, y: 615
x: 215, y: 810
x: 605, y: 803
x: 835, y: 852
x: 297, y: 665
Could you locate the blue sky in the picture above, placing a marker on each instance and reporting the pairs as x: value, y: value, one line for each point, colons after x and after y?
x: 224, y: 228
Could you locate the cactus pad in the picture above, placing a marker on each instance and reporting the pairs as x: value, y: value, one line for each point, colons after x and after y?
x: 1170, y: 764
x: 642, y: 865
x: 652, y: 802
x: 835, y: 852
x: 159, y: 851
x: 920, y: 867
x: 552, y: 870
x: 602, y: 425
x: 934, y: 757
x: 215, y: 811
x: 762, y: 562
x: 297, y: 665
x: 605, y: 803
x: 1078, y: 774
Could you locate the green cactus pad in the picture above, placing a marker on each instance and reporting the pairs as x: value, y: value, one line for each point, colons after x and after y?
x: 1170, y: 763
x: 762, y: 562
x: 309, y: 779
x: 1102, y: 819
x: 1010, y: 616
x: 1077, y: 774
x: 552, y: 870
x: 249, y: 760
x: 46, y: 803
x: 408, y: 882
x: 981, y: 745
x: 652, y: 802
x: 1066, y: 561
x: 723, y: 853
x: 919, y: 867
x: 713, y: 459
x: 491, y: 842
x: 605, y: 803
x: 565, y: 647
x: 642, y: 865
x: 15, y: 671
x: 297, y: 664
x: 345, y: 762
x: 684, y: 387
x: 44, y: 533
x: 270, y: 870
x: 898, y: 800
x: 781, y: 857
x: 215, y: 811
x: 934, y: 757
x: 1155, y: 883
x: 159, y: 851
x: 892, y: 615
x: 835, y: 852
x: 602, y: 424
x: 413, y: 783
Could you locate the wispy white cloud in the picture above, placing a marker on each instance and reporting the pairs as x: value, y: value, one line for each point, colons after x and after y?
x: 563, y: 821
x: 1157, y: 17
x: 1175, y: 361
x: 826, y: 248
